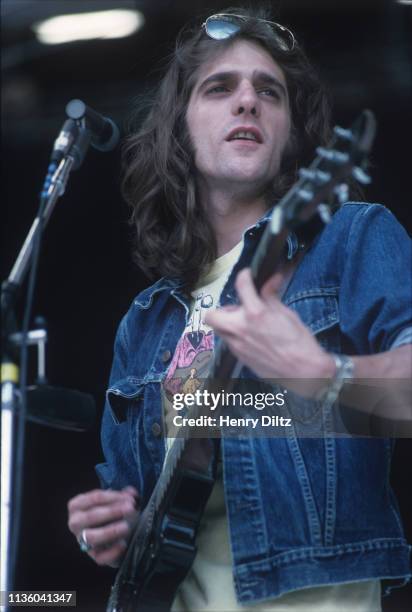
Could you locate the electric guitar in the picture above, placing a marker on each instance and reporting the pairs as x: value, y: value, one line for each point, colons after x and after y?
x: 162, y: 547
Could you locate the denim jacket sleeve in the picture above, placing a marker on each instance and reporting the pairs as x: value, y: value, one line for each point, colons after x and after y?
x: 376, y: 284
x: 115, y: 436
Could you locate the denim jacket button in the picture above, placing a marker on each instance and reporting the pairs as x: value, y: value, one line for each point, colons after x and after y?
x: 156, y: 430
x: 166, y: 356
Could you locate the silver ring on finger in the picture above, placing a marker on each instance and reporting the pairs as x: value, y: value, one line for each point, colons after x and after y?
x: 83, y: 543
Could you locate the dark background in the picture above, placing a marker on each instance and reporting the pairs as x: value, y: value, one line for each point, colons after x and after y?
x: 86, y: 278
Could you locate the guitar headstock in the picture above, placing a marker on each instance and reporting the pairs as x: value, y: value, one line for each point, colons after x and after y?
x: 322, y: 187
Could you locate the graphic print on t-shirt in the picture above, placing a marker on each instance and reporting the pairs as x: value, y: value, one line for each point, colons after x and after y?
x: 190, y: 362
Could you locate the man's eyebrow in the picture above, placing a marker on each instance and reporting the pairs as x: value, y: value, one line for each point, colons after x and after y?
x: 268, y: 79
x: 217, y: 76
x: 260, y: 76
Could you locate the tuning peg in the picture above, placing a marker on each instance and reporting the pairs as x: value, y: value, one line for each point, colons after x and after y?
x: 360, y: 175
x: 342, y: 193
x: 305, y: 194
x: 342, y: 133
x: 316, y: 176
x: 335, y: 157
x: 324, y: 213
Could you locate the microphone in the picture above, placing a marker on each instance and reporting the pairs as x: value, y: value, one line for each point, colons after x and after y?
x: 104, y: 132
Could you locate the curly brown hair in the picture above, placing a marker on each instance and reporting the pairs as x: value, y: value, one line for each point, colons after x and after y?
x: 173, y: 234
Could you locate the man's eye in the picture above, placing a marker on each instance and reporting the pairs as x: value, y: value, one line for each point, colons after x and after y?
x: 217, y: 89
x: 272, y: 93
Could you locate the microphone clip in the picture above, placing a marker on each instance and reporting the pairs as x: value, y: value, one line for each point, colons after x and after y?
x: 104, y: 133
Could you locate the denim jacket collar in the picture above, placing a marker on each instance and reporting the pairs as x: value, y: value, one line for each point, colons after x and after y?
x: 174, y: 285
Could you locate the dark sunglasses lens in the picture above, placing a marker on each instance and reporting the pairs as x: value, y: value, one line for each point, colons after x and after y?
x: 219, y: 29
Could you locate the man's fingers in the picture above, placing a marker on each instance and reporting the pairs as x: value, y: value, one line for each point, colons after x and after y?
x: 229, y: 318
x: 103, y: 520
x: 99, y: 537
x: 221, y: 319
x: 131, y: 490
x: 98, y: 507
x: 247, y: 293
x: 272, y: 286
x: 99, y: 497
x: 100, y: 515
x: 253, y: 302
x: 224, y: 319
x: 111, y: 555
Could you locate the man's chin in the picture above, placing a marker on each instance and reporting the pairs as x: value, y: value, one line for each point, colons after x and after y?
x: 251, y: 169
x: 245, y: 186
x: 249, y: 175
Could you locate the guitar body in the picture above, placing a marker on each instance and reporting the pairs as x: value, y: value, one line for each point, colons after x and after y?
x: 164, y: 544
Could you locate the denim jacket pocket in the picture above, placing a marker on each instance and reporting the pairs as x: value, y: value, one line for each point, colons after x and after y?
x: 122, y: 394
x: 133, y: 404
x: 319, y: 310
x: 125, y: 401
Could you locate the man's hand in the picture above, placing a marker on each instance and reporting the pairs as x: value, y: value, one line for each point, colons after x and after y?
x: 106, y: 518
x: 267, y: 336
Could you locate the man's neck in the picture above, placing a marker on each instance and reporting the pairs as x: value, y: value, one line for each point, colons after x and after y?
x: 230, y: 217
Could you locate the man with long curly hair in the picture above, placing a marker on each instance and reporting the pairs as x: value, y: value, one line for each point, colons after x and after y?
x: 293, y: 523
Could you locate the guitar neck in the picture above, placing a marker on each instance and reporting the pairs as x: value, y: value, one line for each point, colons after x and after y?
x: 266, y: 260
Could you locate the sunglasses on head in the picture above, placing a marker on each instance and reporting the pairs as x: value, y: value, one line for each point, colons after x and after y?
x: 225, y: 25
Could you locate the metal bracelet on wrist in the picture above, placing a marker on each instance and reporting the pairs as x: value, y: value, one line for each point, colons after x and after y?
x: 344, y: 373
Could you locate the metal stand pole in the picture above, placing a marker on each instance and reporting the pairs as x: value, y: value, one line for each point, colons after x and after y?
x: 10, y: 380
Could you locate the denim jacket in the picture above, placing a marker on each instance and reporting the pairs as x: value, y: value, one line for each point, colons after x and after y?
x: 302, y: 511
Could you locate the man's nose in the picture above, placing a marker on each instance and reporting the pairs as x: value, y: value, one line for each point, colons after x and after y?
x: 246, y: 101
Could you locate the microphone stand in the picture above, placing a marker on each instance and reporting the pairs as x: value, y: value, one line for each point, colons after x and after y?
x: 13, y: 406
